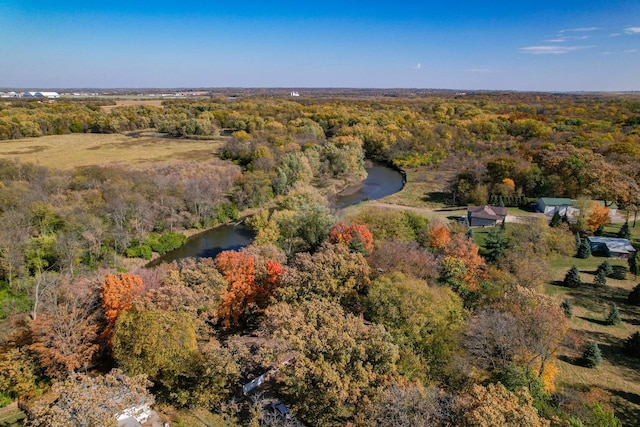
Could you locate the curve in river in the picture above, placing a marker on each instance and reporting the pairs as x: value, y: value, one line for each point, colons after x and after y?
x: 381, y: 181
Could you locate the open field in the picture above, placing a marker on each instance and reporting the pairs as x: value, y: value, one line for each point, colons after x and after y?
x: 74, y: 150
x: 128, y: 102
x: 425, y: 187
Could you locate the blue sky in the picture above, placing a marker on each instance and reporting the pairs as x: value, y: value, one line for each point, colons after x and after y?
x: 503, y: 45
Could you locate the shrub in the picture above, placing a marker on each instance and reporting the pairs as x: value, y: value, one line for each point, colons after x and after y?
x: 634, y: 296
x: 166, y: 243
x: 139, y: 251
x: 632, y: 345
x: 591, y: 356
x: 614, y: 316
x: 572, y: 278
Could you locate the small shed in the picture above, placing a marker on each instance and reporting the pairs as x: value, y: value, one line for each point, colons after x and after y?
x: 612, y: 247
x: 485, y: 216
x: 551, y: 205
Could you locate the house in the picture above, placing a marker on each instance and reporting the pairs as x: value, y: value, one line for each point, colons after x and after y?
x: 134, y: 416
x: 483, y: 216
x: 612, y: 246
x: 551, y: 205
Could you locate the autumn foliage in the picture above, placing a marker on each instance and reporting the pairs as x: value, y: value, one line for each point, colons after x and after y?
x: 357, y: 237
x: 464, y: 249
x: 244, y: 290
x: 439, y: 236
x: 118, y: 293
x: 599, y: 217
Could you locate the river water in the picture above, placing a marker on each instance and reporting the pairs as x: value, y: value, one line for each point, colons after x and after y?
x: 381, y: 181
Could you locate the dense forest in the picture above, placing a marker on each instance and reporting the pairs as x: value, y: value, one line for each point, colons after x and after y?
x: 369, y: 317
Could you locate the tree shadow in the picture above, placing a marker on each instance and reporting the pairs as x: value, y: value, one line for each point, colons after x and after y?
x: 437, y: 197
x: 596, y: 321
x: 575, y: 361
x: 627, y: 406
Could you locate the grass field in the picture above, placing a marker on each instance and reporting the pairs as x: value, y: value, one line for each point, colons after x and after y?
x: 73, y: 150
x: 129, y: 102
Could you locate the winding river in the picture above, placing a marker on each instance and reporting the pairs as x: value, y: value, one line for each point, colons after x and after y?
x: 381, y: 181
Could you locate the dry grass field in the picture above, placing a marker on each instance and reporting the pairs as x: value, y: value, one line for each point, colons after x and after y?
x: 74, y: 150
x: 128, y: 102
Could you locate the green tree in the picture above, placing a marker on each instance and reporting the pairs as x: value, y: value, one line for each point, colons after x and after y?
x: 496, y: 244
x: 613, y: 318
x: 584, y: 249
x: 625, y: 232
x: 161, y: 344
x: 600, y: 279
x: 556, y: 220
x: 632, y: 345
x: 634, y: 263
x: 591, y: 356
x: 606, y: 268
x: 567, y: 307
x: 634, y: 295
x: 572, y: 278
x: 425, y: 322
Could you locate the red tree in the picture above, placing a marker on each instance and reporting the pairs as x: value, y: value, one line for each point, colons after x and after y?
x: 244, y: 291
x: 118, y: 293
x: 357, y: 237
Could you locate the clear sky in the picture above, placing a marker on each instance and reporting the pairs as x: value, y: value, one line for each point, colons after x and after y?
x: 560, y: 45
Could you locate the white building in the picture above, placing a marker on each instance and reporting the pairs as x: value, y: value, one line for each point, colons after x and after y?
x: 50, y: 95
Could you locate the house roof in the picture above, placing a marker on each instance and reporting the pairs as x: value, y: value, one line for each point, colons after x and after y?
x: 487, y: 212
x: 556, y: 201
x: 614, y: 244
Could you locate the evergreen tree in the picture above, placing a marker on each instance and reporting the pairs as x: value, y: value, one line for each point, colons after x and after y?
x: 634, y: 263
x: 584, y: 249
x: 632, y: 345
x: 614, y: 316
x: 591, y: 356
x: 555, y: 220
x: 572, y: 278
x: 606, y: 267
x: 501, y: 202
x: 625, y: 232
x: 567, y: 307
x: 470, y: 233
x: 565, y: 218
x: 600, y: 279
x: 634, y: 296
x: 496, y: 244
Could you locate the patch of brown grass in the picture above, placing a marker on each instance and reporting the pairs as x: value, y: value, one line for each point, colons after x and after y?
x: 74, y: 150
x: 128, y: 102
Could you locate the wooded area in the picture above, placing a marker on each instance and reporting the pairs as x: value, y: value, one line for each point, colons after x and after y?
x: 369, y: 317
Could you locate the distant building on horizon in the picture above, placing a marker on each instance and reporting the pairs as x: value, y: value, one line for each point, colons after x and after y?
x: 49, y: 95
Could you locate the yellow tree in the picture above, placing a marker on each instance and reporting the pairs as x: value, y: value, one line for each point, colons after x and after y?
x: 599, y: 216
